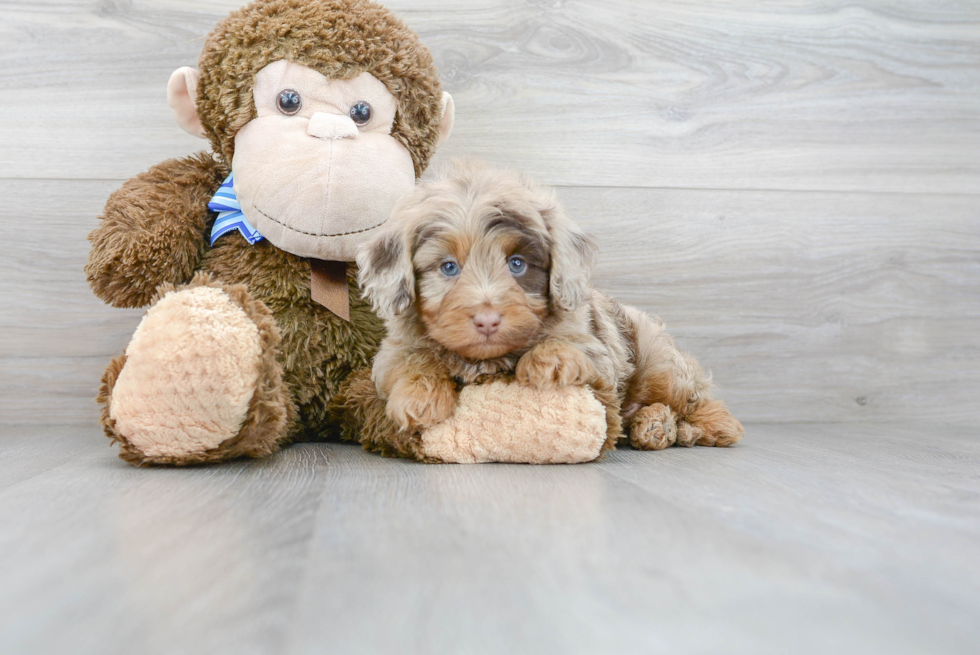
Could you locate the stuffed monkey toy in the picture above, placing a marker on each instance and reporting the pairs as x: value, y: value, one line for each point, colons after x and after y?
x: 320, y: 114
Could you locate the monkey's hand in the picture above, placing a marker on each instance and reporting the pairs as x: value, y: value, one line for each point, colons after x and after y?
x: 496, y: 421
x: 153, y: 230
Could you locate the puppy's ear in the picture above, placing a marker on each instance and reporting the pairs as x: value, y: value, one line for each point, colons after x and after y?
x: 385, y: 271
x: 573, y: 255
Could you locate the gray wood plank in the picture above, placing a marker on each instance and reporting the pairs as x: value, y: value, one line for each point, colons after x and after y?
x: 124, y: 560
x: 865, y: 96
x: 803, y: 538
x: 836, y: 279
x: 807, y: 306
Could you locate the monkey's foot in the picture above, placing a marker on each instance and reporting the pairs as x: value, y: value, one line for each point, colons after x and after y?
x: 199, y: 381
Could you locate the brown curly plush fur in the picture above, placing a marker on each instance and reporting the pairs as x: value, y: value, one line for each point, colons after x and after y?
x: 152, y: 233
x: 154, y: 230
x: 339, y: 38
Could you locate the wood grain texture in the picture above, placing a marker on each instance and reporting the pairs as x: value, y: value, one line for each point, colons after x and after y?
x: 807, y: 306
x: 814, y: 95
x: 794, y: 187
x: 803, y: 539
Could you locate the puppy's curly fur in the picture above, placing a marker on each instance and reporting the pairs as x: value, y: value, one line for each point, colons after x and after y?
x: 480, y: 272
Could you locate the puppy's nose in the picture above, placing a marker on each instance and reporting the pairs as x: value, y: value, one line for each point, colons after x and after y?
x: 331, y: 126
x: 487, y: 322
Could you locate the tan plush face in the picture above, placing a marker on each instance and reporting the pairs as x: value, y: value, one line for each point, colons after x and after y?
x: 482, y: 289
x: 317, y: 170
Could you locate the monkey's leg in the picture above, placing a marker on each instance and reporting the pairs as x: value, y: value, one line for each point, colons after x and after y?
x: 199, y: 382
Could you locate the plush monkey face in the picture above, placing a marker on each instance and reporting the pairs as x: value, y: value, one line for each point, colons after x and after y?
x: 326, y: 110
x: 317, y: 169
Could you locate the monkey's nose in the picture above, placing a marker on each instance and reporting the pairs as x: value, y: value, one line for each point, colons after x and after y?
x: 487, y: 322
x: 331, y: 126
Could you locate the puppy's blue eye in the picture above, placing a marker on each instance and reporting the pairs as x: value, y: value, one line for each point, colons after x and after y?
x: 516, y: 265
x: 449, y: 269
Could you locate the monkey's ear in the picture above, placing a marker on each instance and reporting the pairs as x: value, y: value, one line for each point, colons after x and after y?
x: 448, y: 115
x: 182, y: 98
x: 385, y: 271
x: 573, y: 256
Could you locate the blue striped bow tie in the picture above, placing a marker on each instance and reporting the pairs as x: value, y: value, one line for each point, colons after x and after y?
x: 230, y: 216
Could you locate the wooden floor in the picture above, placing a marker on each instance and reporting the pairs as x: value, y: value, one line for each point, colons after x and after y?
x: 804, y: 539
x: 794, y: 187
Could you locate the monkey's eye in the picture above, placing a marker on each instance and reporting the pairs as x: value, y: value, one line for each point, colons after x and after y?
x: 517, y: 265
x: 449, y: 269
x: 289, y: 102
x: 360, y: 113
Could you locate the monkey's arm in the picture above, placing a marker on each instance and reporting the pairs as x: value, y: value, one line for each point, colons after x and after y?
x: 153, y: 230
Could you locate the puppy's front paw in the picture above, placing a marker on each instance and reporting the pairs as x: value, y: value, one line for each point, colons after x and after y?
x: 552, y: 364
x: 421, y: 402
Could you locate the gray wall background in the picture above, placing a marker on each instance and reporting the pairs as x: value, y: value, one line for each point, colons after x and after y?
x: 793, y: 186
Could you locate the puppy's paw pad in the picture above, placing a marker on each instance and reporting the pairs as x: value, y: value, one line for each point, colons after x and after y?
x: 421, y: 402
x: 654, y: 427
x: 555, y: 365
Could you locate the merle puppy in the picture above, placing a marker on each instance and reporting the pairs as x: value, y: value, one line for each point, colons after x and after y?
x: 479, y: 272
